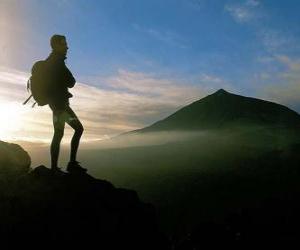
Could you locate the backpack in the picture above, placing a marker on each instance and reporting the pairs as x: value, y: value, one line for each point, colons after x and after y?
x: 39, y: 84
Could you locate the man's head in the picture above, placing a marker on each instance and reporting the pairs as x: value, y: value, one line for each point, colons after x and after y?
x: 59, y: 44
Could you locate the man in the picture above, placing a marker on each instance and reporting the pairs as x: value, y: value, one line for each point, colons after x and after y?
x: 61, y: 80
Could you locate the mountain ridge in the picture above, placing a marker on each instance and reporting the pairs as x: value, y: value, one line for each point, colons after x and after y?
x: 224, y: 109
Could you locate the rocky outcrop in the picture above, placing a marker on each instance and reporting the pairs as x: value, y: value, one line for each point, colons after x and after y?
x: 13, y: 159
x: 77, y: 209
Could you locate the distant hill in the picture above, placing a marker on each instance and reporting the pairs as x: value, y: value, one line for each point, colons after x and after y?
x: 223, y: 109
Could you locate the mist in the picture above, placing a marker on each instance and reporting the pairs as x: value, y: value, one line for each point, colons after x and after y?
x: 144, y: 139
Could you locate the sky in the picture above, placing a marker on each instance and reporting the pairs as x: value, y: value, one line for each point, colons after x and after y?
x: 136, y: 62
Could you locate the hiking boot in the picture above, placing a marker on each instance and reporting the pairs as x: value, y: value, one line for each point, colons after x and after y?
x: 57, y: 171
x: 73, y: 166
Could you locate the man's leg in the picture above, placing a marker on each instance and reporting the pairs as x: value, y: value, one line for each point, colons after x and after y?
x: 59, y: 125
x: 74, y: 122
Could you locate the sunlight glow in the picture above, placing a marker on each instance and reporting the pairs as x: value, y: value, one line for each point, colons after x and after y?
x: 10, y: 119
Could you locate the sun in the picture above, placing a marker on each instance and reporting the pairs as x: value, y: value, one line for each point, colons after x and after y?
x: 10, y: 119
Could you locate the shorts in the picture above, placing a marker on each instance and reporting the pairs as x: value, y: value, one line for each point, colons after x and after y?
x: 62, y: 113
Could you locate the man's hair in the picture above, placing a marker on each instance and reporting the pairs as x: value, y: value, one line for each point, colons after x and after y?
x: 56, y: 39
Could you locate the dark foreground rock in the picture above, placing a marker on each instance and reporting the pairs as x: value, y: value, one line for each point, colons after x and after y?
x: 73, y: 210
x: 13, y: 160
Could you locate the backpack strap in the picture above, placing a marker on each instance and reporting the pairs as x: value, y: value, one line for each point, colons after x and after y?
x: 28, y: 85
x: 27, y: 99
x: 33, y: 105
x: 28, y: 89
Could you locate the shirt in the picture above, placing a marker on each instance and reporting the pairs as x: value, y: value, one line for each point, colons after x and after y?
x: 60, y: 79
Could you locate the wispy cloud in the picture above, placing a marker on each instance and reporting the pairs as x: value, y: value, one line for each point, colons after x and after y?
x: 150, y: 85
x: 130, y: 100
x: 243, y: 12
x: 252, y: 3
x: 274, y: 40
x: 252, y: 13
x: 284, y: 87
x: 167, y: 36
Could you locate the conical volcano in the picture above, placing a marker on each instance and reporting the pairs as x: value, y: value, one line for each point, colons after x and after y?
x: 224, y: 109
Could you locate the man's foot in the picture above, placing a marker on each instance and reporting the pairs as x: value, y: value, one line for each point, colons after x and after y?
x: 57, y: 171
x: 73, y: 166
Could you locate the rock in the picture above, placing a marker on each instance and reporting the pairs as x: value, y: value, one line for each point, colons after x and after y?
x: 77, y: 210
x: 13, y: 159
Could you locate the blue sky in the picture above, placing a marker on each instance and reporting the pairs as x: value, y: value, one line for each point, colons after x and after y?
x: 172, y: 52
x: 183, y: 37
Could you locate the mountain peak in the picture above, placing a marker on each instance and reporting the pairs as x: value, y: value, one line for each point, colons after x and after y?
x: 221, y: 91
x: 224, y: 109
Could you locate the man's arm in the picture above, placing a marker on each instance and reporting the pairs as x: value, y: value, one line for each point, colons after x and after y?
x: 69, y: 79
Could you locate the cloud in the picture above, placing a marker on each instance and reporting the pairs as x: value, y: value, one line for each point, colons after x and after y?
x: 253, y: 14
x: 150, y: 85
x: 285, y: 85
x: 274, y: 40
x: 293, y: 65
x: 128, y: 100
x: 210, y: 79
x: 252, y: 3
x: 243, y: 12
x: 167, y: 36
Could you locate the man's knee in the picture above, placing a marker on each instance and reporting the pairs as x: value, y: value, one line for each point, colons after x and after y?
x: 59, y: 133
x: 79, y: 129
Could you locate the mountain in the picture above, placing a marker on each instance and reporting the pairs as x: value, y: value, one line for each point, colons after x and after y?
x: 221, y: 155
x: 223, y: 109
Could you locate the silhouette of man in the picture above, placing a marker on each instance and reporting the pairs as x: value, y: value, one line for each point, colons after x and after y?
x: 61, y: 80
